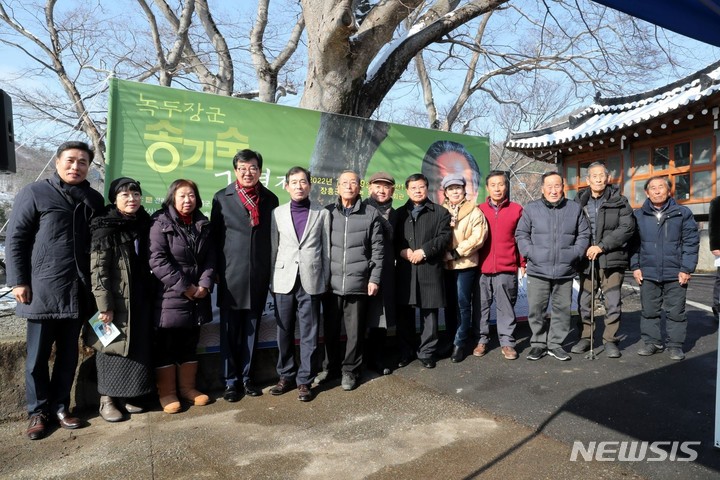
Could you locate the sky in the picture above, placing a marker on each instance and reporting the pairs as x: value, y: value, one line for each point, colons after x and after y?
x: 404, y: 93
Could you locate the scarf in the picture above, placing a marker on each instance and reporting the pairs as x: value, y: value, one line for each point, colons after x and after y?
x: 77, y: 193
x: 112, y: 228
x: 185, y: 219
x: 416, y: 209
x: 251, y: 200
x: 382, y: 208
x: 454, y: 212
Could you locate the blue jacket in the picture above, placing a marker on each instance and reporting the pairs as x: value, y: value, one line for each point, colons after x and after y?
x: 667, y: 245
x: 553, y: 239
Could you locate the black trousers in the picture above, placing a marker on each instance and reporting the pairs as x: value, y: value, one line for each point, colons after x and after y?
x: 348, y: 311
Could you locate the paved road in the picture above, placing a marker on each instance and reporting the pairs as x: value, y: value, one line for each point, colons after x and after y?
x: 484, y: 417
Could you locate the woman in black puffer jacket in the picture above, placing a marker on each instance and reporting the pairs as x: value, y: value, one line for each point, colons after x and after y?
x: 182, y: 259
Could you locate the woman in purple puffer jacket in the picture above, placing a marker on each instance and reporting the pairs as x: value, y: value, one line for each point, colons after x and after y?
x: 182, y: 259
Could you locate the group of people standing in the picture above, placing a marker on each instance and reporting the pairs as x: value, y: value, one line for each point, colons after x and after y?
x: 366, y: 265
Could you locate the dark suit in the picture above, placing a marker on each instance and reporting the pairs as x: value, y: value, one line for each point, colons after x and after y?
x: 243, y: 266
x: 421, y: 285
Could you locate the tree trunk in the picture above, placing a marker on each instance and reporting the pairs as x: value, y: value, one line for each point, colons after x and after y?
x: 345, y: 143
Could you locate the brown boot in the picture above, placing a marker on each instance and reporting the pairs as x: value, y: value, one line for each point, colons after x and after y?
x: 166, y: 388
x: 186, y: 382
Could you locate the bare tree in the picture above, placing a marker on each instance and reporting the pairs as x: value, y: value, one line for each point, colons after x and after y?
x: 167, y: 64
x: 65, y: 53
x: 267, y: 71
x: 583, y: 44
x: 356, y: 53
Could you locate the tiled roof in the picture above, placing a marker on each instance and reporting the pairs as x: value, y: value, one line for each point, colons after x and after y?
x: 611, y: 114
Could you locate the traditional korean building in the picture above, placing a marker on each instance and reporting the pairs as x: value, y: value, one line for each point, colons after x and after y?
x: 671, y: 130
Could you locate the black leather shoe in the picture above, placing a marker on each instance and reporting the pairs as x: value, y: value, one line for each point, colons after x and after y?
x: 458, y: 354
x: 231, y: 394
x: 251, y: 390
x: 405, y: 360
x: 284, y: 385
x: 37, y: 427
x: 427, y: 362
x: 68, y: 421
x: 304, y: 393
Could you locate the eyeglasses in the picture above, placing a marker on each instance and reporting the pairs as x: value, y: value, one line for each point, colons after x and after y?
x: 252, y: 169
x: 351, y: 183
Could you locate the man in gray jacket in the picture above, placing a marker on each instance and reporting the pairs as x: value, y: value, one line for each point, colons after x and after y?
x: 356, y: 256
x: 300, y: 258
x: 553, y: 235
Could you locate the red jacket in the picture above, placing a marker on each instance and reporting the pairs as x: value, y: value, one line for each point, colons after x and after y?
x: 499, y: 253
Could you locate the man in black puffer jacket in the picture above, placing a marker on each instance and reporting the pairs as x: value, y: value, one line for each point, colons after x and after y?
x: 356, y: 257
x: 612, y: 225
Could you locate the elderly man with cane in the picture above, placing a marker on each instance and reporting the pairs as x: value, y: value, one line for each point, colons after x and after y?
x: 612, y: 225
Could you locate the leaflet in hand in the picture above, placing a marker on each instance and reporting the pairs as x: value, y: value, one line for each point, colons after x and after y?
x: 106, y: 332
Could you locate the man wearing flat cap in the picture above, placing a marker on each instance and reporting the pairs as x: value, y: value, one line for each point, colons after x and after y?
x: 381, y: 307
x: 469, y: 230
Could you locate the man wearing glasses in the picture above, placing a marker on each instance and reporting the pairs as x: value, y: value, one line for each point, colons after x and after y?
x: 240, y: 220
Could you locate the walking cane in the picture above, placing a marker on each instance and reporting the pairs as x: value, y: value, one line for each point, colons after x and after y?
x: 591, y: 353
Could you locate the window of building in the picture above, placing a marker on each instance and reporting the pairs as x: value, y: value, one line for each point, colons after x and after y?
x: 687, y: 162
x: 701, y: 150
x: 576, y: 172
x: 641, y: 161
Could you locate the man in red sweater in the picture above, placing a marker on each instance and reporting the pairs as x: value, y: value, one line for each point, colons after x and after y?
x: 499, y: 264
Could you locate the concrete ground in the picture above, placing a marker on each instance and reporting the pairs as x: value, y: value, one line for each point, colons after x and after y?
x: 484, y: 417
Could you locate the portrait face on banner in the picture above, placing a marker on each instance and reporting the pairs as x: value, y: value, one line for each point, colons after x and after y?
x: 447, y: 157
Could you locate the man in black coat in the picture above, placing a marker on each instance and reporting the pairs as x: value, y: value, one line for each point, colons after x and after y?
x: 612, y: 225
x: 421, y: 240
x: 240, y: 221
x: 48, y: 265
x: 381, y: 308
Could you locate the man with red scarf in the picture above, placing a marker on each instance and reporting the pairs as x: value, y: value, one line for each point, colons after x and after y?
x: 240, y: 221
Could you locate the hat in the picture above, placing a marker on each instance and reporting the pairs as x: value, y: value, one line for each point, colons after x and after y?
x: 453, y: 179
x: 116, y: 184
x: 382, y: 177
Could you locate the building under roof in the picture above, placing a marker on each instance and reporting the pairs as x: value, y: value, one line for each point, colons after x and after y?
x: 671, y: 130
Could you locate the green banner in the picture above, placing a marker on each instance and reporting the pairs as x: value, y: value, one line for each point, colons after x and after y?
x: 158, y: 134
